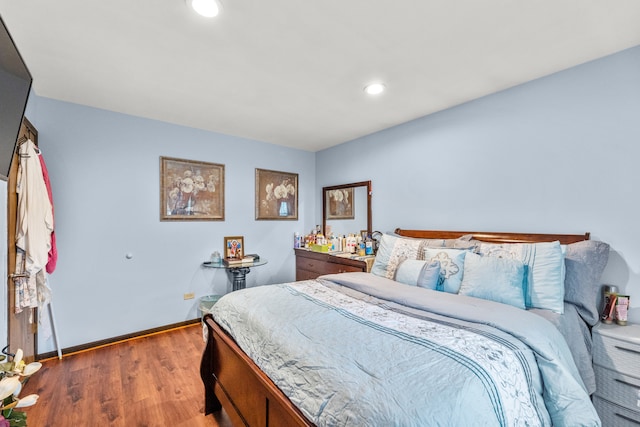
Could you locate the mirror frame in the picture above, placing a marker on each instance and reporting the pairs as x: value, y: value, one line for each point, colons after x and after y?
x: 366, y: 184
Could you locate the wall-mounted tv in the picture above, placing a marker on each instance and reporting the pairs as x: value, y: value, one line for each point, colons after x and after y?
x: 15, y: 84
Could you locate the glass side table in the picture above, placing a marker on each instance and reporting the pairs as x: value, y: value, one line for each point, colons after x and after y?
x: 238, y: 272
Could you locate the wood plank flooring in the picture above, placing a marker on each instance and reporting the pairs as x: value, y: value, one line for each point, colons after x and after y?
x: 145, y: 382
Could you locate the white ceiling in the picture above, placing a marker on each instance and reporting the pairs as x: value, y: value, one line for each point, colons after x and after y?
x: 292, y: 72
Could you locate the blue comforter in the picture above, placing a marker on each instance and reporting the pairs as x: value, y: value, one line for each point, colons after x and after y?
x: 357, y: 349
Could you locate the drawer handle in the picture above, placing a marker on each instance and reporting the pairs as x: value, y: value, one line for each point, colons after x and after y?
x: 628, y: 419
x: 627, y: 383
x: 627, y: 349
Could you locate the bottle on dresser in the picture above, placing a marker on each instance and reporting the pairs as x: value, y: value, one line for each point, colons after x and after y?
x: 351, y: 243
x: 361, y: 246
x: 368, y: 245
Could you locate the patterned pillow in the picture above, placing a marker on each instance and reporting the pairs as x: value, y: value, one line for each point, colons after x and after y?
x: 423, y: 274
x: 394, y: 249
x: 544, y: 278
x: 451, y: 267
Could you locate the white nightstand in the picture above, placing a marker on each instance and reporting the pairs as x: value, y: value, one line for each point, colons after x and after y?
x: 616, y: 360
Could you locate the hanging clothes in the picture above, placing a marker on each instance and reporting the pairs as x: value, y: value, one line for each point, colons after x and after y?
x: 34, y: 225
x: 44, y: 292
x: 53, y: 252
x: 25, y: 286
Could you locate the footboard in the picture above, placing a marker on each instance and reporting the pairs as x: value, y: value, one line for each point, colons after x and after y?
x: 233, y: 381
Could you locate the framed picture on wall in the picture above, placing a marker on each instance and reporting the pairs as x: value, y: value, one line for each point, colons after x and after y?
x: 276, y: 195
x: 340, y: 204
x: 234, y: 247
x: 191, y: 190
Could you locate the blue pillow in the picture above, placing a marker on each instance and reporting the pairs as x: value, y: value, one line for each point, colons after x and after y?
x: 451, y: 267
x: 585, y: 261
x: 419, y: 273
x: 496, y: 279
x: 544, y: 279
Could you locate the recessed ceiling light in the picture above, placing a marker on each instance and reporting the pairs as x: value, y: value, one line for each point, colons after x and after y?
x: 207, y: 8
x: 374, y: 88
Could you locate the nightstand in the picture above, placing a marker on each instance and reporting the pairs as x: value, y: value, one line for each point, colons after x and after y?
x: 616, y: 360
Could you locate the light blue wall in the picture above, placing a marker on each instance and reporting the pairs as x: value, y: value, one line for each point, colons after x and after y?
x: 104, y: 169
x: 556, y: 155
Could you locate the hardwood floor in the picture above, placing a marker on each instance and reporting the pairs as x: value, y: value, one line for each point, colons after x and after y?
x: 148, y: 381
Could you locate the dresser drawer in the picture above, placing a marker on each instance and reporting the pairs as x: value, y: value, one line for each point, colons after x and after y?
x: 311, y: 264
x: 302, y: 274
x: 615, y: 387
x: 616, y: 354
x: 323, y: 267
x: 341, y: 268
x: 613, y: 415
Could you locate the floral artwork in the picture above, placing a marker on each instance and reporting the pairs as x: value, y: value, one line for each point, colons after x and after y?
x: 191, y: 190
x: 340, y: 203
x: 276, y: 195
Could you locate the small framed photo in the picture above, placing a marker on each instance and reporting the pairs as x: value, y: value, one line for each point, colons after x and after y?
x: 340, y: 204
x: 276, y: 195
x: 191, y: 190
x: 234, y: 247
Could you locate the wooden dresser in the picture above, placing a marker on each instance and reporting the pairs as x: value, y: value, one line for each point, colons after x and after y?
x: 310, y: 265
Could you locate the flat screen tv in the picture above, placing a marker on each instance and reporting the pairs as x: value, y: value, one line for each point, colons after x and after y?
x: 15, y: 84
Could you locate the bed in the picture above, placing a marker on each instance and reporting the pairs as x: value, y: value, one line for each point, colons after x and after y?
x: 404, y: 345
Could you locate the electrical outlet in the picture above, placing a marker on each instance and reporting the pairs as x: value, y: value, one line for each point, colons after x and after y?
x: 189, y: 295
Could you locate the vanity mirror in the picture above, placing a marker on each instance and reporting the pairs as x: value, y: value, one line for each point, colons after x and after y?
x: 346, y: 208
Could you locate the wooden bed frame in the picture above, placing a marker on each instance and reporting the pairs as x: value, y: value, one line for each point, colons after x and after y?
x: 234, y: 382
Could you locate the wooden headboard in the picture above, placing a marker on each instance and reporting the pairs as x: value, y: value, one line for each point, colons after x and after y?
x: 564, y: 239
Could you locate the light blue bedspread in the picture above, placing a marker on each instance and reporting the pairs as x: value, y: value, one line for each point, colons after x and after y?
x: 357, y: 349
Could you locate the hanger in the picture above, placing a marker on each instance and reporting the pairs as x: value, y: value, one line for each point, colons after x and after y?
x: 21, y: 141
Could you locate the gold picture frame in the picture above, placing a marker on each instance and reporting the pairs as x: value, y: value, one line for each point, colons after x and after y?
x: 276, y: 195
x: 191, y: 190
x: 340, y: 204
x: 233, y: 247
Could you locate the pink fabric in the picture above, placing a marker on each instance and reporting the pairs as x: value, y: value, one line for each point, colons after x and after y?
x: 53, y: 252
